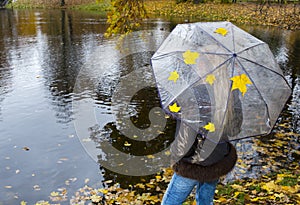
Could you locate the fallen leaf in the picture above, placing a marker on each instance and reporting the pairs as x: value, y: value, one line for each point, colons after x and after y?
x: 127, y: 144
x: 54, y: 193
x: 23, y: 203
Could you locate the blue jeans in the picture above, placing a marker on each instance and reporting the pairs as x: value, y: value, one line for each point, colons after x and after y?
x: 180, y: 188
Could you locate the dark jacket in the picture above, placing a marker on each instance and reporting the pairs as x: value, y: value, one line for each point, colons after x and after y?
x: 221, y: 160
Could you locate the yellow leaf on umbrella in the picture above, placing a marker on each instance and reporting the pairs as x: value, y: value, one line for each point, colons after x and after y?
x: 174, y: 108
x: 240, y: 82
x: 190, y: 57
x: 210, y: 79
x: 210, y: 127
x: 221, y: 31
x: 173, y: 76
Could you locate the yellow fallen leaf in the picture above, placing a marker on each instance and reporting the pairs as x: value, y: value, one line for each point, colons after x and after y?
x: 269, y: 186
x: 42, y: 203
x: 190, y: 57
x: 127, y: 144
x: 150, y: 156
x: 236, y: 194
x: 291, y: 189
x: 103, y: 191
x: 174, y: 108
x: 54, y: 193
x: 95, y: 198
x: 23, y: 203
x: 174, y: 76
x: 221, y: 200
x: 237, y: 187
x: 140, y: 185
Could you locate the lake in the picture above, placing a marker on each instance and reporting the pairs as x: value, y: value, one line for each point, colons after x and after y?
x: 59, y: 88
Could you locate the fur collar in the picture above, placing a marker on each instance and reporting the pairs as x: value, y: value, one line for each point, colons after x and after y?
x: 207, y: 173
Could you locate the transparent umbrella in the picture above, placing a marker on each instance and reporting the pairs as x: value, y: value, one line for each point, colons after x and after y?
x: 219, y: 80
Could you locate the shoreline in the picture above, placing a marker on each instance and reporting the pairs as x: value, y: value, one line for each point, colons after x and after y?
x: 285, y: 16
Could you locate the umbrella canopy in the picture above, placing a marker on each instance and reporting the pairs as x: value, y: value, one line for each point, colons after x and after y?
x: 220, y: 80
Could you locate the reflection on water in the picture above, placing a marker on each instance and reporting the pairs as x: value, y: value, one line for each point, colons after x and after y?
x: 42, y: 53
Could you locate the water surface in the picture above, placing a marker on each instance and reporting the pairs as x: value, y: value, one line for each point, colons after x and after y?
x: 41, y: 55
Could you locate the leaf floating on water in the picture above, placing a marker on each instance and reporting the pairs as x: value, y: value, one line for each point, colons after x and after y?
x: 86, y: 180
x: 25, y: 148
x: 108, y: 181
x: 36, y: 187
x: 23, y: 203
x: 17, y: 171
x: 95, y: 198
x: 86, y: 140
x: 42, y: 203
x: 127, y: 144
x: 103, y: 191
x: 8, y: 187
x: 54, y: 193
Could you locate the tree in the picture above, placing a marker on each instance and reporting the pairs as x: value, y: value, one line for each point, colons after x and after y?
x: 125, y: 16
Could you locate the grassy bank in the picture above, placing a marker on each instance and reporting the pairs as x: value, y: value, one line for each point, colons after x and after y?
x: 88, y: 5
x: 285, y: 16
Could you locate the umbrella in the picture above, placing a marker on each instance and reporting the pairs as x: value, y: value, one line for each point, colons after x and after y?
x: 219, y: 80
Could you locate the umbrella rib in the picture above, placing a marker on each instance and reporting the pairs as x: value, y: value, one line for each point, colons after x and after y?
x: 258, y: 65
x: 248, y: 48
x: 268, y: 113
x: 218, y: 66
x: 213, y: 38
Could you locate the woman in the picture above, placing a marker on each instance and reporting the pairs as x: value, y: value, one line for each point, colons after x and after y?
x: 191, y: 171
